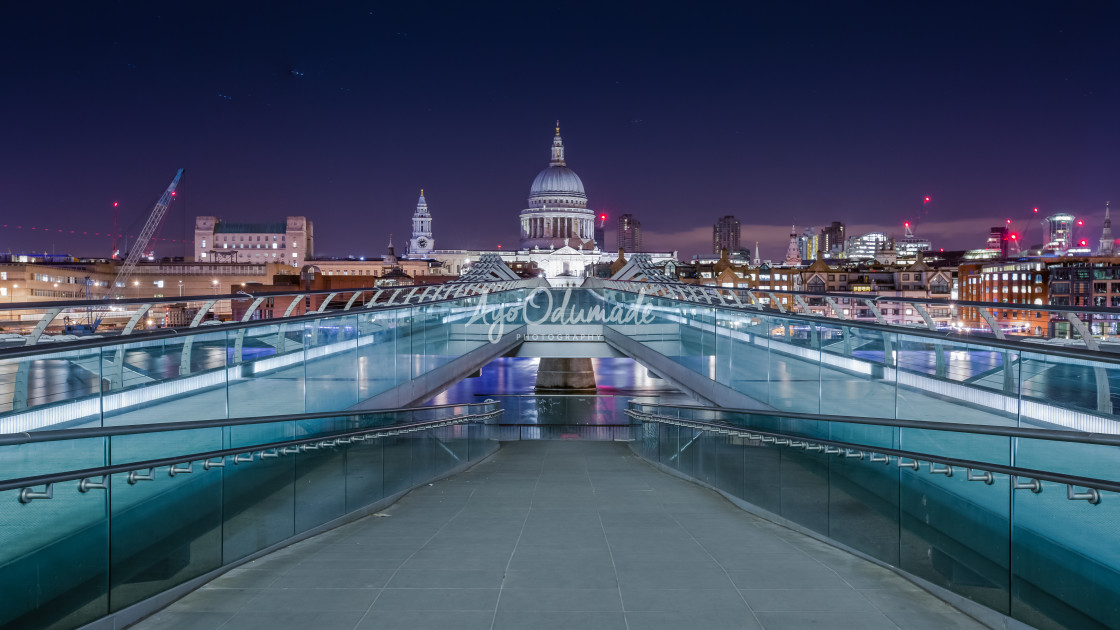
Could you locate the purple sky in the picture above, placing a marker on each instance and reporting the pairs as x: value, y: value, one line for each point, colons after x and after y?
x: 778, y: 113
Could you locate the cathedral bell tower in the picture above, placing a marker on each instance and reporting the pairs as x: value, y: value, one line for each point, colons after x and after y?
x: 421, y: 244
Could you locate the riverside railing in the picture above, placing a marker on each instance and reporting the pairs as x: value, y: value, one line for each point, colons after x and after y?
x: 97, y: 521
x: 1019, y: 520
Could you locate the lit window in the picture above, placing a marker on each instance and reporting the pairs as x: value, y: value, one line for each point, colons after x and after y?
x: 202, y: 255
x: 293, y: 254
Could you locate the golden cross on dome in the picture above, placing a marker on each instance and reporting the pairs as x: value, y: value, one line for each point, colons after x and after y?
x: 557, y: 127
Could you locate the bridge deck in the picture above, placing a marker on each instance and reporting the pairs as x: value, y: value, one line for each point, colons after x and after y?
x: 560, y: 535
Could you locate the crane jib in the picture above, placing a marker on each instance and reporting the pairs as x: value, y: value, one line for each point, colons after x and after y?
x: 149, y: 230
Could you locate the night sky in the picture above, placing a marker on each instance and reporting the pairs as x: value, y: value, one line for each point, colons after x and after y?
x: 676, y: 112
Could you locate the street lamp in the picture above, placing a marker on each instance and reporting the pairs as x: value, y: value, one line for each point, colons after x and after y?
x: 136, y: 283
x: 180, y: 288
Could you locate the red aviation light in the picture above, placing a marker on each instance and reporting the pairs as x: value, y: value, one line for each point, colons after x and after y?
x: 1014, y: 237
x: 1081, y: 223
x: 173, y: 193
x: 1084, y: 242
x: 115, y: 204
x: 906, y: 224
x: 926, y: 201
x: 1036, y: 209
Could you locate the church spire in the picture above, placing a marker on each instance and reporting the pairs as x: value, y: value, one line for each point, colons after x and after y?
x: 1108, y: 245
x: 557, y: 148
x: 793, y: 253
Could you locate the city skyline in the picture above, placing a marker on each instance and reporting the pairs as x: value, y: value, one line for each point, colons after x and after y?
x: 856, y: 117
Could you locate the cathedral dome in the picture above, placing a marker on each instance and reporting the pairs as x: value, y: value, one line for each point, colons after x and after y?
x: 557, y: 180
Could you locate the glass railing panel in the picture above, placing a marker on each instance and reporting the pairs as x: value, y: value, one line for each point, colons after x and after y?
x: 239, y: 435
x: 165, y: 529
x: 804, y: 427
x: 50, y: 391
x: 398, y: 462
x: 870, y: 435
x: 863, y: 505
x: 137, y: 447
x: 803, y: 479
x: 1065, y: 559
x: 762, y: 476
x: 721, y: 464
x: 480, y: 441
x: 183, y: 378
x: 258, y: 504
x: 668, y: 445
x: 955, y: 532
x: 1070, y: 458
x: 384, y: 350
x: 320, y: 486
x: 42, y: 458
x: 331, y: 363
x: 857, y: 371
x: 266, y: 370
x: 688, y: 453
x: 1071, y: 393
x: 992, y: 449
x: 746, y: 354
x: 451, y: 444
x: 365, y: 474
x: 951, y: 381
x: 726, y: 324
x: 54, y: 559
x: 704, y: 340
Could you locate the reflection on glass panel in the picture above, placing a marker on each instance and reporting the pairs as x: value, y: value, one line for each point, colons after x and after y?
x: 258, y: 504
x: 165, y: 531
x: 1065, y: 561
x: 183, y: 378
x: 863, y: 506
x: 54, y: 563
x: 804, y: 488
x: 857, y: 372
x: 320, y: 486
x: 1073, y: 393
x: 951, y: 381
x: 50, y: 391
x: 384, y: 351
x: 266, y: 370
x: 331, y: 363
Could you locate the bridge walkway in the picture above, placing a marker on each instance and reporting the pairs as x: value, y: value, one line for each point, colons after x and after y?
x: 560, y: 534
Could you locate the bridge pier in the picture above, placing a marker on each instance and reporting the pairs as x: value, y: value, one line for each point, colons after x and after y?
x: 566, y: 374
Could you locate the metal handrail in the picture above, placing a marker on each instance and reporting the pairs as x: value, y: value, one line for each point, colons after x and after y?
x: 274, y: 449
x: 849, y: 449
x: 200, y: 298
x: 12, y: 439
x: 1058, y: 435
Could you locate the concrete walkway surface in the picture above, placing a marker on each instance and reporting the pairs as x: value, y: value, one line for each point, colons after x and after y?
x: 552, y: 534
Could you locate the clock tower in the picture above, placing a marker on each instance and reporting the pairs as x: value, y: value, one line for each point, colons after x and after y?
x: 422, y: 242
